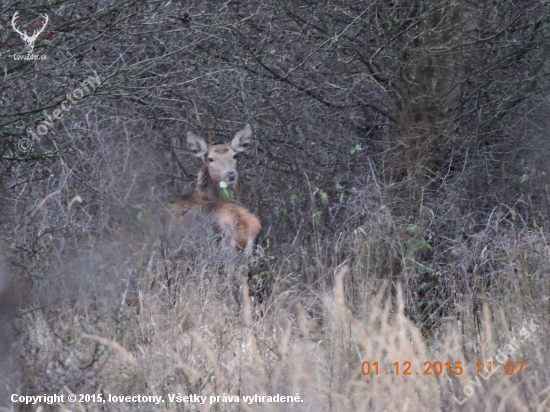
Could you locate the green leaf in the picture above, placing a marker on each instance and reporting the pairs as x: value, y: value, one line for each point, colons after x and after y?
x: 424, y: 246
x: 411, y: 229
x: 223, y: 187
x: 281, y: 213
x: 142, y: 216
x: 355, y: 149
x: 318, y: 215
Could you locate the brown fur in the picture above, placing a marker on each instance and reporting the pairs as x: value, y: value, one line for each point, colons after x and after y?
x: 229, y: 217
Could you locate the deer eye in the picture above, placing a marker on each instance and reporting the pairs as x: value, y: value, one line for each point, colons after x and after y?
x: 210, y: 159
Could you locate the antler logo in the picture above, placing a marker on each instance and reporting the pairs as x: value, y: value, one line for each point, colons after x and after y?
x: 29, y: 39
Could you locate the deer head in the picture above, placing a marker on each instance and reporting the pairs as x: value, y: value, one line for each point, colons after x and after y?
x: 220, y: 161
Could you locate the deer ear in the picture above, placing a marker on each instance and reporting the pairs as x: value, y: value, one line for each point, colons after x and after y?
x: 242, y: 139
x: 196, y: 144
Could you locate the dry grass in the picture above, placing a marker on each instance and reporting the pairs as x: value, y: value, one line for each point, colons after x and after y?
x: 153, y: 326
x: 111, y: 311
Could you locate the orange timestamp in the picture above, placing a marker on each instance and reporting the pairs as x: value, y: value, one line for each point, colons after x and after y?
x: 437, y: 368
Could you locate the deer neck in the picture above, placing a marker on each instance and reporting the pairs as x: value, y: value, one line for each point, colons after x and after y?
x: 207, y: 189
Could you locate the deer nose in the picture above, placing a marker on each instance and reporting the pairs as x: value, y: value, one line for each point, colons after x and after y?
x: 231, y: 176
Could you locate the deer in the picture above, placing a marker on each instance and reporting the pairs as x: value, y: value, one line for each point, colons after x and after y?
x: 214, y: 202
x: 29, y: 40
